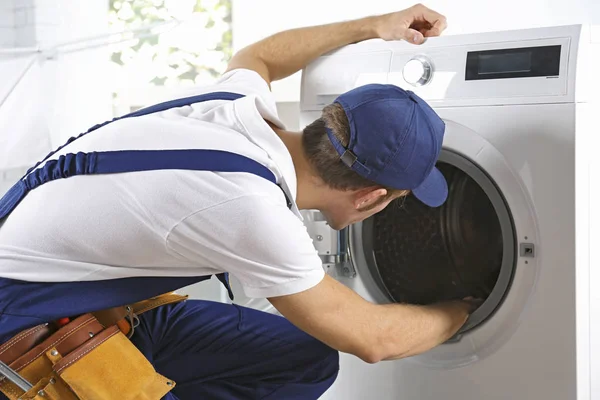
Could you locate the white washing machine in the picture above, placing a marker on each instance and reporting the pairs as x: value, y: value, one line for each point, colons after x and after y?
x: 515, y: 229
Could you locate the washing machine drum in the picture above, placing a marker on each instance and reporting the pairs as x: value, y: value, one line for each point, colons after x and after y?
x: 423, y: 255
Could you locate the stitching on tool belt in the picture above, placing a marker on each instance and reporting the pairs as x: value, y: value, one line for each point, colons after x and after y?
x: 79, y: 337
x: 6, y: 346
x: 67, y: 334
x: 86, y: 351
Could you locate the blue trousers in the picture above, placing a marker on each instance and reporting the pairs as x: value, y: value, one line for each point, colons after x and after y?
x: 221, y: 351
x: 218, y: 351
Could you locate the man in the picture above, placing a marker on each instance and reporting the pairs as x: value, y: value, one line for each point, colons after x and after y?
x: 135, y: 230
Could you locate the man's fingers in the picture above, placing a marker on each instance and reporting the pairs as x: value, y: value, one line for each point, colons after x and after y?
x: 436, y: 30
x: 413, y: 24
x: 429, y: 15
x: 413, y: 36
x: 474, y: 303
x: 436, y: 20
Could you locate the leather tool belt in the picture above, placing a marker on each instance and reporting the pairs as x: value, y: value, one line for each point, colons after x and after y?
x: 89, y: 357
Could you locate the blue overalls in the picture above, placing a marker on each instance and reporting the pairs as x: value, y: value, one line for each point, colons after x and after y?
x: 212, y: 350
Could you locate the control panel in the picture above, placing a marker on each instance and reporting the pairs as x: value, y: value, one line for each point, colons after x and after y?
x: 495, y: 68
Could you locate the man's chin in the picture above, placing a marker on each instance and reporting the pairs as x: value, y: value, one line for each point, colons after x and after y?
x: 333, y: 224
x: 337, y: 226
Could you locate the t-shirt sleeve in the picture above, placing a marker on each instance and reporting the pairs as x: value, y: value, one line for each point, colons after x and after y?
x: 247, y: 82
x: 255, y: 238
x: 250, y: 83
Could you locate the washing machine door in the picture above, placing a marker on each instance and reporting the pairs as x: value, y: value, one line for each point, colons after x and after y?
x: 466, y: 247
x: 476, y: 244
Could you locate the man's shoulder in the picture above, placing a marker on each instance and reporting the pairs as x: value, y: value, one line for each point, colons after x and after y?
x: 240, y: 81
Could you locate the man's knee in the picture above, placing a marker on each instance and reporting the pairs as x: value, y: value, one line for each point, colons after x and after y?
x: 327, y: 364
x: 332, y: 363
x: 324, y: 373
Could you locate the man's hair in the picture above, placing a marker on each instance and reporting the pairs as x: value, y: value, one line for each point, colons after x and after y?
x: 325, y: 159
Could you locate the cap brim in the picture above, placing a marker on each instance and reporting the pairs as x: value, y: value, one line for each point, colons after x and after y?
x: 433, y: 192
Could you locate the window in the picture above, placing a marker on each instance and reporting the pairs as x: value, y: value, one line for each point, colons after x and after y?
x: 195, y: 51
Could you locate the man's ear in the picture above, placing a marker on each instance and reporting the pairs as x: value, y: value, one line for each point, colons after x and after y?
x: 366, y: 197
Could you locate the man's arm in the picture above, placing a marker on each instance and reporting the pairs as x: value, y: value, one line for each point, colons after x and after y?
x: 342, y: 319
x: 285, y: 53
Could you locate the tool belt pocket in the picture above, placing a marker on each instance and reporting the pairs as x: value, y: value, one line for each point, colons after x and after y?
x: 109, y: 366
x: 82, y: 360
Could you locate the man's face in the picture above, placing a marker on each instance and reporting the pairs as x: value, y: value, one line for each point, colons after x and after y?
x: 345, y: 213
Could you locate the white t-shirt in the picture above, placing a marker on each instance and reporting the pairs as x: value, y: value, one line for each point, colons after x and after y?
x: 172, y: 222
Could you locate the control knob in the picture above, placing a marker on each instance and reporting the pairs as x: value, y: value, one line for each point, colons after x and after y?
x: 418, y: 71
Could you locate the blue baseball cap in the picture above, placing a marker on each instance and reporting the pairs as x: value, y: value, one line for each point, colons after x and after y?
x: 395, y: 140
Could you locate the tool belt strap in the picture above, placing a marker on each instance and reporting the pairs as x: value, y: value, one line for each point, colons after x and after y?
x: 124, y: 316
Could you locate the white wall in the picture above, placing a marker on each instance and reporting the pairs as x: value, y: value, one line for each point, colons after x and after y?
x: 254, y: 20
x: 16, y: 29
x: 57, y: 98
x: 7, y: 23
x: 79, y: 94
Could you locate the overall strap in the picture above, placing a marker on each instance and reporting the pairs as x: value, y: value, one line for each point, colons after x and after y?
x: 185, y: 101
x: 112, y: 162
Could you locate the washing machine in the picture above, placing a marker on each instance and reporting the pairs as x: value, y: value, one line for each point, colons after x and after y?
x: 517, y: 155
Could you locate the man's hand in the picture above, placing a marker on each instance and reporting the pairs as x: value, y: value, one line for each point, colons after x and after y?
x: 413, y: 24
x: 342, y: 319
x: 473, y: 303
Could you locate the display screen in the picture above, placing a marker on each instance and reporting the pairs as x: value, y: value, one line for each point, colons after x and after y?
x: 524, y: 62
x: 504, y: 63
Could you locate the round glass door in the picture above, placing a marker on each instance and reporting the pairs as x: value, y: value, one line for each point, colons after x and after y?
x: 466, y: 247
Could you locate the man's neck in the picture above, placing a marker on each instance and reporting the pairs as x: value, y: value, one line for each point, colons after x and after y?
x: 308, y: 190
